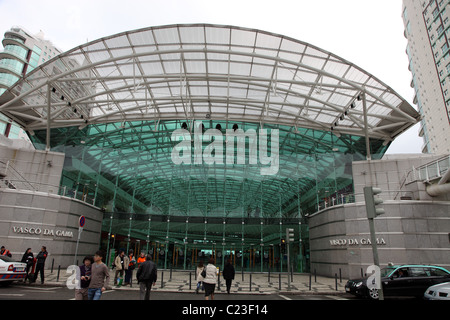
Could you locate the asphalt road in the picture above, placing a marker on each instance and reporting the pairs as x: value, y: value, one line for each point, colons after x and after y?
x: 36, y: 292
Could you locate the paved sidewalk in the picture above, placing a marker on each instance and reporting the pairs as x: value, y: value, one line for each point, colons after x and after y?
x: 184, y: 281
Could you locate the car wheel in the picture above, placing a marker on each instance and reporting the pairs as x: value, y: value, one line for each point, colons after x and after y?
x: 373, y: 294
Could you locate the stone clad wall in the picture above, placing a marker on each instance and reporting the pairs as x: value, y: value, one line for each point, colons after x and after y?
x: 410, y: 232
x: 35, y: 219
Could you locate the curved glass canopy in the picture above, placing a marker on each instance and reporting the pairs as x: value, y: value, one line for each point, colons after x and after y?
x: 113, y: 105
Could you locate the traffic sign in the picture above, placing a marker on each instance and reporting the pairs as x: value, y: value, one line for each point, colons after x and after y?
x: 82, y: 221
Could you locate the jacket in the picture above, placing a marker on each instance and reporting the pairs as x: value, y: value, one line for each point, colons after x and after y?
x: 28, y: 258
x: 6, y: 252
x: 228, y: 272
x: 118, y: 264
x: 147, y: 272
x: 41, y: 257
x: 211, y: 274
x: 85, y: 272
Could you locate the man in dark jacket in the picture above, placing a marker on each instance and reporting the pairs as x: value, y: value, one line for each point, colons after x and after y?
x: 228, y: 274
x: 146, y: 275
x: 40, y: 264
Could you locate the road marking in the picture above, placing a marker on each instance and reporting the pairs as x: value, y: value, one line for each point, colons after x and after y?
x: 336, y: 298
x: 107, y: 291
x: 284, y: 297
x: 12, y: 294
x: 38, y: 288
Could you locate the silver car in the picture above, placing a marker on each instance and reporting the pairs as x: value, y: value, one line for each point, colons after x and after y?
x: 438, y: 292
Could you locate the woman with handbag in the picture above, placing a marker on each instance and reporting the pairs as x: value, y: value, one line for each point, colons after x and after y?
x: 210, y: 279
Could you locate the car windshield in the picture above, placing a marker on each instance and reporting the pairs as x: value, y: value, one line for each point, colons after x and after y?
x: 387, y: 271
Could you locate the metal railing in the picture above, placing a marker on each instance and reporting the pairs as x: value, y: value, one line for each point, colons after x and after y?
x: 355, y: 197
x: 430, y: 171
x: 13, y: 179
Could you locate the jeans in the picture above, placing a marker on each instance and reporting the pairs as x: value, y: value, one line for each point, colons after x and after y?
x: 94, y: 293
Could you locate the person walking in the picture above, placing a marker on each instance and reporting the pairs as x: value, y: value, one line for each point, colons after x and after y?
x: 85, y: 279
x: 210, y: 279
x: 147, y: 276
x: 40, y: 264
x: 28, y: 258
x: 131, y: 267
x: 99, y: 278
x: 121, y: 263
x: 199, y: 277
x: 228, y: 274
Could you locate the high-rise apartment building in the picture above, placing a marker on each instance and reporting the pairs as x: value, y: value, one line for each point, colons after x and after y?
x: 427, y: 28
x: 22, y: 53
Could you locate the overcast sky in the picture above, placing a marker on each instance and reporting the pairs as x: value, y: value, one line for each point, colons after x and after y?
x: 364, y: 32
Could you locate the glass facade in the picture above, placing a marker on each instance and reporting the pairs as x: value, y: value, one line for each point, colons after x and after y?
x: 180, y: 211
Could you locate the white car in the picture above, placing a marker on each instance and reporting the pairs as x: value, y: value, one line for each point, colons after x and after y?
x: 438, y: 292
x: 11, y: 270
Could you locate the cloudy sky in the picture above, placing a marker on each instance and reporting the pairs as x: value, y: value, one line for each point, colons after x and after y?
x: 367, y: 33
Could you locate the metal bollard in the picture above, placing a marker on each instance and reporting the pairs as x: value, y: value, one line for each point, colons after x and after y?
x: 218, y: 281
x: 279, y: 281
x: 162, y: 279
x: 269, y: 275
x: 310, y: 277
x: 53, y: 262
x: 335, y: 281
x: 57, y: 276
x: 340, y: 275
x: 250, y: 282
x: 190, y: 280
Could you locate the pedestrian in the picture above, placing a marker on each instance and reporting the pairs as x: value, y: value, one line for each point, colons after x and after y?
x: 99, y: 277
x: 40, y: 264
x: 228, y: 274
x: 210, y: 279
x: 147, y: 276
x: 199, y: 277
x: 121, y: 263
x: 141, y: 259
x: 28, y: 258
x: 85, y: 279
x: 5, y: 252
x: 131, y: 267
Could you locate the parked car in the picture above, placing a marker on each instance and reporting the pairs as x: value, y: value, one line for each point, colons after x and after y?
x: 11, y: 270
x: 438, y: 292
x: 403, y: 280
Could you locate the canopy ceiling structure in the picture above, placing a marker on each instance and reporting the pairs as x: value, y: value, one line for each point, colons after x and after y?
x: 111, y: 105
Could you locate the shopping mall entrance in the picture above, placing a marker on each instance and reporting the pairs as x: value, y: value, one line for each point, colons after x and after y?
x: 251, y: 245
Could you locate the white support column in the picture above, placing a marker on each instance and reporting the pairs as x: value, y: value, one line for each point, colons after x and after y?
x: 366, y: 128
x: 47, y: 147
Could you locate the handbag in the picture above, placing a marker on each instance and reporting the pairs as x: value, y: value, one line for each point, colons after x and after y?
x: 203, y: 274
